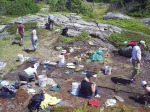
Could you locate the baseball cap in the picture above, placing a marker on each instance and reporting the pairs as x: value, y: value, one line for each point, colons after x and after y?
x: 142, y: 42
x: 143, y: 83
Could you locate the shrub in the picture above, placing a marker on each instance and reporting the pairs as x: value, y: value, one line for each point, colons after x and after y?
x: 119, y: 39
x: 22, y: 7
x: 76, y: 6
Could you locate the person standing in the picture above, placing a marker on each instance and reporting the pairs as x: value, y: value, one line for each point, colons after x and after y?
x: 20, y: 30
x: 51, y: 21
x: 136, y: 59
x: 34, y: 38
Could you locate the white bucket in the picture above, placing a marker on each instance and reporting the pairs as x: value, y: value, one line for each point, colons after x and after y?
x: 75, y: 88
x: 108, y: 70
x: 20, y: 57
x: 61, y: 60
x: 42, y: 79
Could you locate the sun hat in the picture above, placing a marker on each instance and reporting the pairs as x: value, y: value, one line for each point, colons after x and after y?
x: 142, y: 42
x: 143, y: 83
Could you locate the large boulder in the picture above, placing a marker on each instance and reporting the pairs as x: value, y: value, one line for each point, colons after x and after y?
x: 146, y: 21
x: 113, y: 16
x: 2, y: 27
x: 74, y: 24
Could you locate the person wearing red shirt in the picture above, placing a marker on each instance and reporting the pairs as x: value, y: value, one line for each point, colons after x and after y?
x: 20, y: 30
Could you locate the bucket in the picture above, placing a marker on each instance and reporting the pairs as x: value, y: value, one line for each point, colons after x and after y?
x: 42, y: 79
x: 75, y: 88
x: 20, y: 57
x: 108, y: 70
x: 61, y: 60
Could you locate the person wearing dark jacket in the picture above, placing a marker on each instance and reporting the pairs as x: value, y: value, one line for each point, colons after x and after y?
x: 88, y: 89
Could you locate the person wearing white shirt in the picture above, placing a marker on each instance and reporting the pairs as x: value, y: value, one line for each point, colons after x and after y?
x: 27, y: 74
x: 136, y: 59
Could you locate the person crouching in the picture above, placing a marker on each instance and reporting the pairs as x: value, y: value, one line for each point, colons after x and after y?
x: 88, y: 89
x: 26, y: 75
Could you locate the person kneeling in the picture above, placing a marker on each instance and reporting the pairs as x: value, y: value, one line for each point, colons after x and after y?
x: 87, y: 88
x: 26, y: 75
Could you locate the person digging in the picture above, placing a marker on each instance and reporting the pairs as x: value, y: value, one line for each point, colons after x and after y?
x: 88, y: 89
x: 28, y: 74
x: 146, y: 88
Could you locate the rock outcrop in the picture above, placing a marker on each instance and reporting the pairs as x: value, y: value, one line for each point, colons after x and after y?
x: 2, y: 27
x: 113, y: 16
x: 146, y: 21
x: 74, y: 23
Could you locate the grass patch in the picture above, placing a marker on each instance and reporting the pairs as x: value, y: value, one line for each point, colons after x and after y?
x: 7, y: 18
x: 9, y: 52
x: 118, y: 108
x: 98, y: 11
x: 130, y: 24
x: 67, y: 39
x: 42, y: 5
x: 119, y: 39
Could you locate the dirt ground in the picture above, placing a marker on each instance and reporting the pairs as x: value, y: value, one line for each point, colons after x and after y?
x: 109, y: 86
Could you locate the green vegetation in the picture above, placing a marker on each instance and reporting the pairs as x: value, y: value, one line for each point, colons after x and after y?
x: 7, y: 18
x: 67, y: 39
x: 98, y: 11
x: 119, y: 39
x: 19, y: 7
x: 76, y: 6
x: 130, y: 24
x: 118, y: 108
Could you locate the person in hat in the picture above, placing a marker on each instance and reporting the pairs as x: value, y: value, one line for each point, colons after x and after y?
x: 147, y: 91
x: 88, y: 89
x: 136, y: 59
x: 27, y: 74
x: 20, y: 30
x: 33, y: 37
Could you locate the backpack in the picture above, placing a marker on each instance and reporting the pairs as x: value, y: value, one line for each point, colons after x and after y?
x: 126, y: 52
x: 35, y: 102
x: 64, y: 31
x: 8, y: 91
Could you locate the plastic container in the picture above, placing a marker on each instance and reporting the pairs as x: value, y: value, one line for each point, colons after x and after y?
x: 61, y: 60
x: 42, y: 79
x: 108, y: 70
x: 20, y: 57
x: 75, y: 88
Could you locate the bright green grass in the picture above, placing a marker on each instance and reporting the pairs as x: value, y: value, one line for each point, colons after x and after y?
x: 7, y: 18
x: 98, y: 11
x: 71, y: 39
x: 119, y: 39
x: 42, y: 5
x: 130, y: 24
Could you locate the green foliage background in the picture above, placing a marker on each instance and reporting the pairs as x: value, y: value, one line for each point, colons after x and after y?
x: 19, y: 7
x: 76, y: 6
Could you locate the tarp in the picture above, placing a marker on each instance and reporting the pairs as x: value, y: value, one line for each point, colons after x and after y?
x: 97, y: 56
